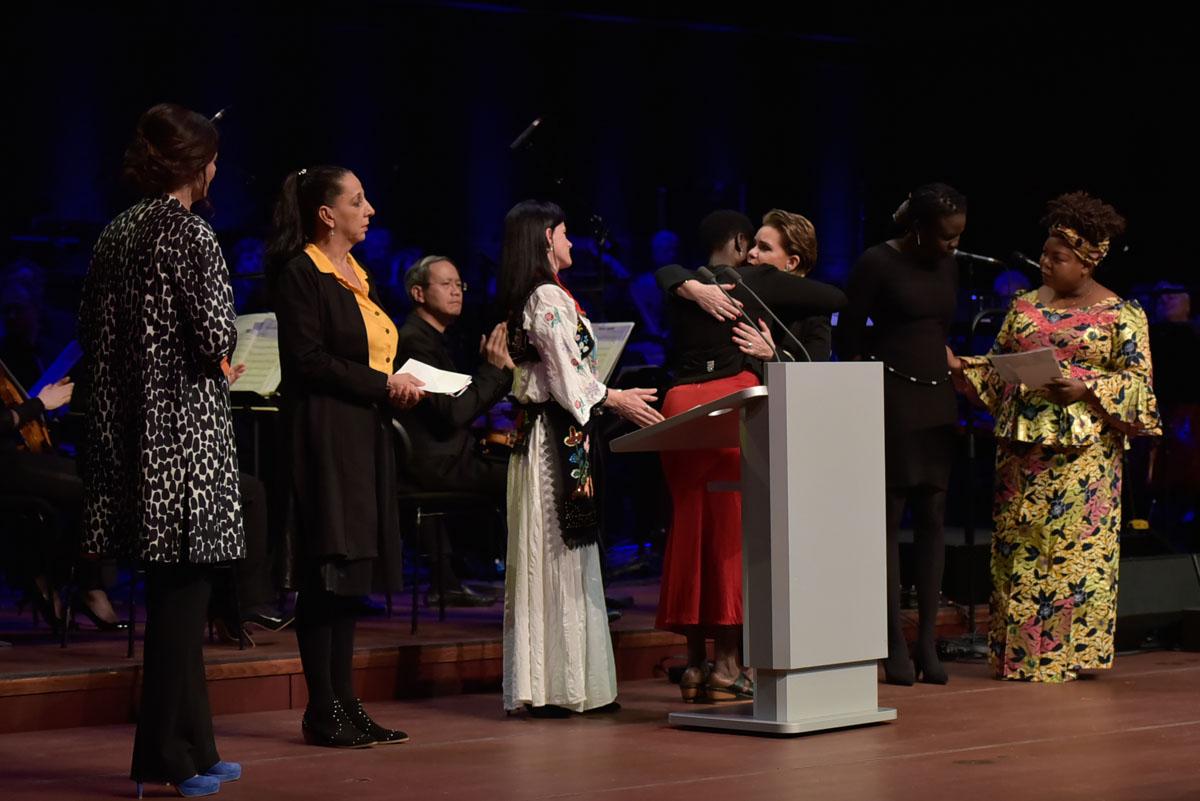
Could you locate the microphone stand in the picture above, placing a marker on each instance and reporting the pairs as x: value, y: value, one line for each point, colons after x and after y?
x: 971, y: 645
x: 708, y: 275
x: 736, y: 278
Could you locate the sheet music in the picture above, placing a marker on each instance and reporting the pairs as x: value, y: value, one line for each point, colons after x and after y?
x: 258, y: 349
x: 1033, y: 368
x: 611, y: 339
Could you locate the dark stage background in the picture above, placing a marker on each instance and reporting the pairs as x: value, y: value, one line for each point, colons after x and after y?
x: 654, y: 114
x: 652, y: 117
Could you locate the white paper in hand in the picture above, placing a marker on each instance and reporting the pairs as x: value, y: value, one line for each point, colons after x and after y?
x: 442, y: 382
x: 1033, y: 368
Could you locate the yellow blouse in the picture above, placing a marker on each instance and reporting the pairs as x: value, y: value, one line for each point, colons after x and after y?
x: 382, y: 336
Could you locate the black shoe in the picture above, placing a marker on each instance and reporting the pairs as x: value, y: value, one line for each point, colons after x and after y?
x: 549, y: 711
x: 462, y: 596
x: 898, y: 669
x: 79, y: 604
x: 929, y: 669
x: 268, y: 622
x: 42, y: 607
x: 232, y: 635
x: 363, y: 722
x: 332, y: 728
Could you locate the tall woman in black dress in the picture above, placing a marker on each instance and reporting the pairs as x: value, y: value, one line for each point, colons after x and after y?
x: 336, y: 349
x: 907, y: 287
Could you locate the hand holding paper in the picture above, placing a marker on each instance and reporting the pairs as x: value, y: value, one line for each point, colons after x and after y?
x: 442, y: 382
x: 1033, y: 368
x: 404, y: 390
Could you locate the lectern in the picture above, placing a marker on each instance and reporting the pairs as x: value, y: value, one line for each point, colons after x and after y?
x: 814, y: 549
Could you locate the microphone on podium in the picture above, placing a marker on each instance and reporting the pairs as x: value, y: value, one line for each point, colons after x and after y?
x: 734, y: 277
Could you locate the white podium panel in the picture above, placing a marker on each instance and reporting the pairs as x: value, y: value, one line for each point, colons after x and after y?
x: 814, y: 554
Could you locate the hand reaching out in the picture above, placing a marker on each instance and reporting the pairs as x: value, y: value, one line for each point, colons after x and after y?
x: 634, y: 405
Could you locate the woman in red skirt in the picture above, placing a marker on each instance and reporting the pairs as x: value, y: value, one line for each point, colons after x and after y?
x: 701, y: 594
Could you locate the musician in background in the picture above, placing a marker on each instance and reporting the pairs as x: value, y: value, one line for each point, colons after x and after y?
x: 50, y: 398
x: 30, y: 469
x: 445, y: 456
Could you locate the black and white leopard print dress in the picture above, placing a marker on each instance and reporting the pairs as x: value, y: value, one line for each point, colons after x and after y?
x: 159, y: 464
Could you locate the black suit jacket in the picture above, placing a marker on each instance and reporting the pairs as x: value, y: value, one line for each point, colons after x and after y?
x: 438, y: 425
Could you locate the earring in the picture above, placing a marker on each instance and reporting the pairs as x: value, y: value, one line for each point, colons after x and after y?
x: 918, y: 239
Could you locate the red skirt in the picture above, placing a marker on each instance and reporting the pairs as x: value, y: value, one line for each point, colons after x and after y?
x: 702, y: 567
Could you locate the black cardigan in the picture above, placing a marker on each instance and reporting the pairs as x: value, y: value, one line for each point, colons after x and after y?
x: 340, y: 496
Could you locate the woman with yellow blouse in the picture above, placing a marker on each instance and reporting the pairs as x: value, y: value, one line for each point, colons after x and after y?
x: 336, y: 349
x: 1059, y: 452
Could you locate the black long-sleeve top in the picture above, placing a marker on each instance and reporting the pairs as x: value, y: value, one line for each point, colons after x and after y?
x: 438, y: 424
x: 911, y: 305
x: 702, y: 348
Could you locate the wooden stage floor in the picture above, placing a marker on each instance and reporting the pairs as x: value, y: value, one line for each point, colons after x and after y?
x: 1130, y: 734
x: 91, y: 682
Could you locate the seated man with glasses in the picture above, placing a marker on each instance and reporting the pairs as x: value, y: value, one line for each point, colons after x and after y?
x: 445, y: 455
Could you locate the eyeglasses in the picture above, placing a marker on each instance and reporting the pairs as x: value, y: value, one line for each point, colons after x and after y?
x: 461, y: 286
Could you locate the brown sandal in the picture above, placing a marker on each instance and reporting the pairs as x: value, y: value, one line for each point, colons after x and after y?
x: 740, y: 689
x: 692, y: 684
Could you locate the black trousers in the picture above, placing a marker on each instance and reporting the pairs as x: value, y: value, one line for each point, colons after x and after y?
x: 174, y: 739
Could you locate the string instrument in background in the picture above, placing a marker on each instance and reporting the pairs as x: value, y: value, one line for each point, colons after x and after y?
x: 499, y: 440
x: 35, y: 435
x: 502, y: 432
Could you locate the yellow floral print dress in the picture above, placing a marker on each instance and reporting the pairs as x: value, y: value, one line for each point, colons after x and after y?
x: 1057, y: 507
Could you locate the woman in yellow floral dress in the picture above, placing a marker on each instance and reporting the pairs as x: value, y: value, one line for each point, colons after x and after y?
x: 1059, y: 452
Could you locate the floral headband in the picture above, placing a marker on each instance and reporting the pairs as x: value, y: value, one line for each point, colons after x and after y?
x: 1085, y: 250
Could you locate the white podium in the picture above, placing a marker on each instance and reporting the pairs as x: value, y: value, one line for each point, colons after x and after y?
x: 814, y: 555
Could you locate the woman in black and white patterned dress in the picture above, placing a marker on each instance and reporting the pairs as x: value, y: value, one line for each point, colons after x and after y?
x: 160, y: 468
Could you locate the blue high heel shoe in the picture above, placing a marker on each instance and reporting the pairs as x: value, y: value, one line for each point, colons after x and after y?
x: 195, y: 787
x: 225, y: 771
